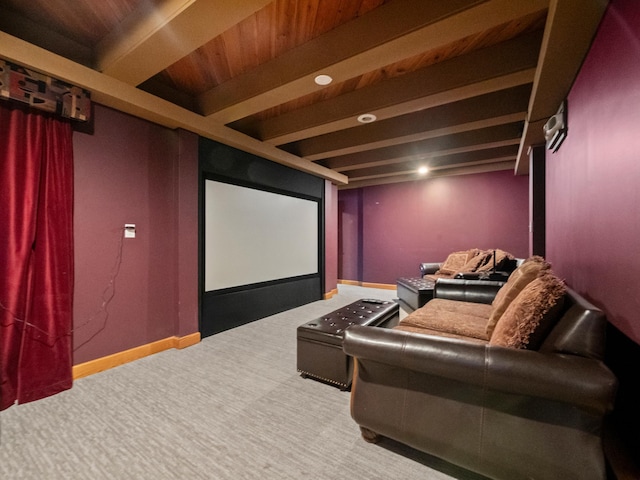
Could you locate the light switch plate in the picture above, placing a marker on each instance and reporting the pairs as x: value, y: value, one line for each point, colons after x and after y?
x: 129, y: 230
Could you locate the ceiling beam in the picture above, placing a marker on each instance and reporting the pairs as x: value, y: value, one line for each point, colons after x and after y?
x: 440, y: 98
x: 412, y: 167
x: 445, y: 159
x: 496, y: 108
x: 171, y: 94
x: 564, y: 46
x: 156, y: 35
x: 363, y: 45
x: 126, y: 98
x: 498, y: 67
x: 459, y: 128
x: 421, y: 157
x: 484, y: 138
x: 495, y: 167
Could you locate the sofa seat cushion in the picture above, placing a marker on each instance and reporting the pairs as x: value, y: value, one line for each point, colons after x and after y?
x: 461, y: 318
x: 531, y: 315
x: 466, y: 308
x: 429, y: 331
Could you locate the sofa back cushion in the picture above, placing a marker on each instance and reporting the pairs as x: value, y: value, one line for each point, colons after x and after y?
x: 529, y: 317
x: 519, y: 278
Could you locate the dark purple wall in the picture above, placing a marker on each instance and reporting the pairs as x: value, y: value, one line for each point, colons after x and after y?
x: 132, y: 171
x: 593, y: 181
x: 404, y: 224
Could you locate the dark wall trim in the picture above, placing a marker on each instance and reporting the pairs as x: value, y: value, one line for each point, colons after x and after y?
x: 224, y: 309
x: 230, y: 309
x: 537, y: 192
x: 236, y: 165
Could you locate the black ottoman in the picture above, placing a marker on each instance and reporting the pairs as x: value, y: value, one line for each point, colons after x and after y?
x: 415, y: 292
x: 320, y: 354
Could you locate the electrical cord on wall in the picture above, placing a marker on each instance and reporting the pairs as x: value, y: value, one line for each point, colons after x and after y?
x: 107, y: 295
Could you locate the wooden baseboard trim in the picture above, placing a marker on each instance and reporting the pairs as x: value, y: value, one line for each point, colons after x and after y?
x: 114, y: 360
x: 330, y: 294
x: 187, y: 340
x: 385, y: 286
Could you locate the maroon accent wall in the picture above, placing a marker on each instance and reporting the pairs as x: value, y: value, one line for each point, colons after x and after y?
x: 593, y: 199
x: 386, y: 231
x: 187, y: 233
x: 331, y: 237
x: 132, y: 171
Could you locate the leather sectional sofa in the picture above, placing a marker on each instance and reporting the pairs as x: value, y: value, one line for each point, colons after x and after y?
x: 510, y: 400
x: 497, y: 265
x: 468, y: 262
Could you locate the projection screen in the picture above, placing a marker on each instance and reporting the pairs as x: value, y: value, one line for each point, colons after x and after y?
x: 254, y: 236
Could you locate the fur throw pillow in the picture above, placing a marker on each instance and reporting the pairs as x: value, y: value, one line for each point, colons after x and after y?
x: 531, y: 268
x: 531, y: 315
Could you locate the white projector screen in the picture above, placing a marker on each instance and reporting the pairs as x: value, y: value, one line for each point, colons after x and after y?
x: 255, y: 236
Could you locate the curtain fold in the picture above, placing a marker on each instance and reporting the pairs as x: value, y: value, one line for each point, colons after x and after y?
x: 36, y: 259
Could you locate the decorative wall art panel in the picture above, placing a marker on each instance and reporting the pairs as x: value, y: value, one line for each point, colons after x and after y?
x: 43, y: 92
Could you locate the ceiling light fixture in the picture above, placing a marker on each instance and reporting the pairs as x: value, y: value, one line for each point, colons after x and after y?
x: 323, y: 80
x: 367, y: 118
x: 423, y: 170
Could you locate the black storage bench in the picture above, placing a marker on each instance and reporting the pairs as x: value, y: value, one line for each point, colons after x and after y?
x: 320, y: 354
x: 415, y: 292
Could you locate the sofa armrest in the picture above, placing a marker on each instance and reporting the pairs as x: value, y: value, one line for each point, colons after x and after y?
x: 570, y: 379
x: 428, y: 268
x: 476, y: 291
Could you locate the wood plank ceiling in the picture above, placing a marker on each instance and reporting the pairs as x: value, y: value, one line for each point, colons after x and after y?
x: 461, y: 86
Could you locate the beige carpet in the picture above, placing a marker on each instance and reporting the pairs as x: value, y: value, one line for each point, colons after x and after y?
x: 231, y: 407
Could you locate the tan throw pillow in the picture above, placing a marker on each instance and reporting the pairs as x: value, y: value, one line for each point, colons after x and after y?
x: 531, y: 315
x: 519, y: 278
x: 454, y: 261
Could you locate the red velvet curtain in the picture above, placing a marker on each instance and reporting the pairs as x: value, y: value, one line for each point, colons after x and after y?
x: 36, y: 258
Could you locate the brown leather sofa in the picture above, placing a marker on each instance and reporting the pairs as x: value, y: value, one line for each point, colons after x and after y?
x: 492, y: 265
x: 470, y: 263
x: 506, y: 413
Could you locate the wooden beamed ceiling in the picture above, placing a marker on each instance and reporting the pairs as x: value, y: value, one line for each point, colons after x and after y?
x: 461, y: 86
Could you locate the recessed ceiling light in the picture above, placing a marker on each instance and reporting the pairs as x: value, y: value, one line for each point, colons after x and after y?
x: 423, y: 170
x: 367, y: 118
x: 323, y: 80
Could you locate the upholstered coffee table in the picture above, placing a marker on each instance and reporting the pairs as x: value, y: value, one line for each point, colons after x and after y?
x: 320, y: 354
x: 415, y: 292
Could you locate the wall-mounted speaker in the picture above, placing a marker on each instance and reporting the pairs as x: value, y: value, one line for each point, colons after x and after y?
x: 555, y: 130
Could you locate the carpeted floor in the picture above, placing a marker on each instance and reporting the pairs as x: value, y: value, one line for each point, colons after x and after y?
x: 231, y: 407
